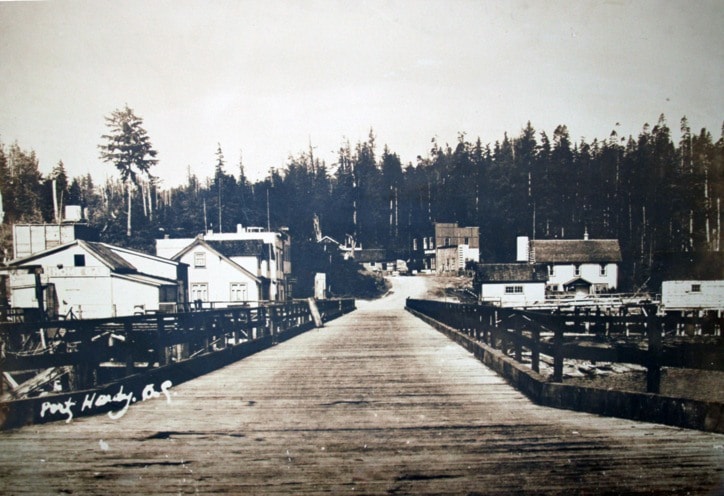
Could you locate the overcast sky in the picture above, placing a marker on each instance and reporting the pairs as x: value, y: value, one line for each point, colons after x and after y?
x: 264, y: 78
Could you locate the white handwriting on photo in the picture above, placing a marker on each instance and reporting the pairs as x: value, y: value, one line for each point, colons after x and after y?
x: 95, y: 400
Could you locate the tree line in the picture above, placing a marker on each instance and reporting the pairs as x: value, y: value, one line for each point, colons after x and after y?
x: 654, y: 193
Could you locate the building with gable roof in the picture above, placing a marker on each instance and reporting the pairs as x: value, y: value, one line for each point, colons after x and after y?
x: 85, y: 279
x: 511, y: 284
x: 224, y: 272
x: 248, y: 265
x: 581, y: 266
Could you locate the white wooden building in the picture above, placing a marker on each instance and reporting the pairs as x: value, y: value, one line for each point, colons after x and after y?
x: 511, y: 284
x: 249, y: 265
x: 223, y: 273
x: 97, y: 280
x: 692, y: 294
x: 583, y: 266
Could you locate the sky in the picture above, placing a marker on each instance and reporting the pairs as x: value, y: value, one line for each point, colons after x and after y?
x: 267, y: 79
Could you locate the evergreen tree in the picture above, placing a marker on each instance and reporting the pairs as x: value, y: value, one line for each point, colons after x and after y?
x: 128, y: 147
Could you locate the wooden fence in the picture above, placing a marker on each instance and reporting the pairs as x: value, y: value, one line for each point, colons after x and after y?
x: 638, y: 336
x: 87, y: 353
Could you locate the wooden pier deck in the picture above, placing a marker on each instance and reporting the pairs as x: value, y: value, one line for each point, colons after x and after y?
x: 377, y: 402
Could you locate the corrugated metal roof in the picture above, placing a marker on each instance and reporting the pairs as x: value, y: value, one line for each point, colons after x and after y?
x: 575, y: 250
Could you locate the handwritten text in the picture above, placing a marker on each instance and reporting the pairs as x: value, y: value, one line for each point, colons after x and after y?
x: 120, y: 402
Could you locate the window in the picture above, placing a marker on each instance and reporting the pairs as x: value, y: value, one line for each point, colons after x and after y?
x: 238, y: 292
x: 696, y: 288
x: 467, y: 241
x: 199, y: 291
x: 513, y: 289
x: 199, y: 259
x: 604, y: 270
x: 167, y: 294
x: 447, y: 241
x: 551, y: 270
x: 79, y: 260
x: 577, y: 270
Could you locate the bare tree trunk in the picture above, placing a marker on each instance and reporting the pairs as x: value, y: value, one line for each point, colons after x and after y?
x: 55, y: 203
x: 150, y: 202
x: 130, y: 196
x: 718, y: 224
x: 143, y: 197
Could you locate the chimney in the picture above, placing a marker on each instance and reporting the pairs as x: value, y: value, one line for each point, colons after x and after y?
x: 522, y: 251
x: 239, y: 229
x: 585, y: 234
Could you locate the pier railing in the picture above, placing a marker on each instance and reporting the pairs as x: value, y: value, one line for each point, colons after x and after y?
x: 87, y: 353
x: 637, y: 336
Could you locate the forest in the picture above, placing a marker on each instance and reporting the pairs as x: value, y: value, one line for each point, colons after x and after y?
x: 657, y: 193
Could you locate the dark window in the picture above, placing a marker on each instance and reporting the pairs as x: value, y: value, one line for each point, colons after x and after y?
x: 79, y: 260
x: 696, y: 288
x: 167, y: 294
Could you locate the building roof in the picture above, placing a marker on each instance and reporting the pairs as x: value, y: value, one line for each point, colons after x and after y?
x: 329, y: 240
x: 107, y: 256
x: 575, y: 250
x: 229, y: 247
x: 511, y: 272
x: 147, y: 279
x: 370, y: 255
x: 101, y: 251
x: 240, y: 248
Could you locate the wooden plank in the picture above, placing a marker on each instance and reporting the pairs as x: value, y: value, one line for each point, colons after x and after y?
x: 377, y: 403
x: 315, y: 312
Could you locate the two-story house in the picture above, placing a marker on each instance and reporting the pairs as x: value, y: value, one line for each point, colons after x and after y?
x: 582, y: 266
x: 248, y: 265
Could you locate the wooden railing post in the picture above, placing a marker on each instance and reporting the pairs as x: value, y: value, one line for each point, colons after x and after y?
x: 653, y: 372
x: 272, y: 323
x: 518, y: 334
x: 161, y: 341
x: 495, y: 337
x: 558, y: 353
x: 128, y: 329
x: 535, y: 349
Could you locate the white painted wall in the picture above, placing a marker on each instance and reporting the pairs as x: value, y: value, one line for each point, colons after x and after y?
x: 522, y: 249
x: 91, y: 291
x: 278, y: 271
x: 563, y: 274
x: 147, y: 264
x: 678, y: 295
x: 495, y: 293
x: 130, y: 297
x: 218, y: 274
x: 85, y: 290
